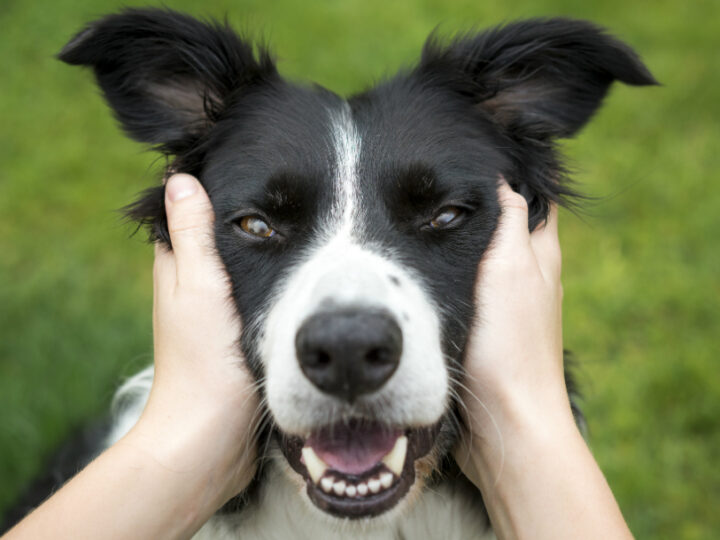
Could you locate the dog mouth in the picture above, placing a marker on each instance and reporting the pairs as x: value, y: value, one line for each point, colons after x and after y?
x: 358, y: 468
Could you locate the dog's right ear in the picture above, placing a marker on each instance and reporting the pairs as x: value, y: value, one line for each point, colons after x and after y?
x: 167, y: 77
x: 537, y: 81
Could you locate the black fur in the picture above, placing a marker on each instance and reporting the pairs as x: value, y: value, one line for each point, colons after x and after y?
x: 168, y: 78
x: 474, y: 108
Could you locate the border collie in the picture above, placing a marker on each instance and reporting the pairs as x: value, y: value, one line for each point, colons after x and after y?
x: 352, y: 230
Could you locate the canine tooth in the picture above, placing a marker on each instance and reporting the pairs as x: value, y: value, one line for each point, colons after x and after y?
x: 396, y: 458
x: 374, y: 485
x: 386, y: 479
x: 339, y: 487
x: 362, y: 489
x: 327, y: 483
x: 316, y: 467
x: 351, y: 491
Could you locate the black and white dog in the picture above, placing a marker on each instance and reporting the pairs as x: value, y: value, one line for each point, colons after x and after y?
x: 352, y: 230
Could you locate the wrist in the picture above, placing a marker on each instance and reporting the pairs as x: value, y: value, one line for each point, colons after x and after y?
x: 541, y: 473
x: 514, y: 424
x: 206, y: 455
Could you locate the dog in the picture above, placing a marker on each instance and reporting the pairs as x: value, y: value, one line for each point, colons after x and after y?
x: 352, y: 231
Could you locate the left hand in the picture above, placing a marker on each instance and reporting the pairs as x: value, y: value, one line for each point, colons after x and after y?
x: 514, y: 360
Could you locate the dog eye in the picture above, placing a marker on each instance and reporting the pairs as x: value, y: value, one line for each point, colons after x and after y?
x: 256, y: 226
x: 445, y: 217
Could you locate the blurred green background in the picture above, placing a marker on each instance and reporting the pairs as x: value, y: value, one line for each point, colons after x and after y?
x: 641, y: 270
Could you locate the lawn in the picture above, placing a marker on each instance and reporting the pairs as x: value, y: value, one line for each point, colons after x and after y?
x: 641, y: 266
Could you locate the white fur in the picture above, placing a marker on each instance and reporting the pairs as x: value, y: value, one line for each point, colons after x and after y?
x: 128, y: 404
x: 347, y: 153
x: 282, y: 513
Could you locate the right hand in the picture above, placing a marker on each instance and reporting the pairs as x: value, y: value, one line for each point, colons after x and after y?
x: 203, y: 399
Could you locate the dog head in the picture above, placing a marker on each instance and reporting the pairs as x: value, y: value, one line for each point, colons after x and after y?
x: 352, y: 229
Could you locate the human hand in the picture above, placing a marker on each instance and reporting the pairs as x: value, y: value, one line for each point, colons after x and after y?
x: 193, y: 447
x: 203, y: 403
x: 521, y: 446
x: 514, y: 362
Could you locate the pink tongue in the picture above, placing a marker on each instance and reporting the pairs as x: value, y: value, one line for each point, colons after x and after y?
x: 353, y: 449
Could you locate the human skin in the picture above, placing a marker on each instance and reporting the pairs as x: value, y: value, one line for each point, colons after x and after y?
x: 522, y: 447
x: 193, y: 447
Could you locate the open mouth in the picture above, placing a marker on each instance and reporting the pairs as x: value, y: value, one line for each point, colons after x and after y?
x: 358, y: 468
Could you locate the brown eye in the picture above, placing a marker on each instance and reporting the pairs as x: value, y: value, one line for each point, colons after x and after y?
x: 445, y: 217
x: 257, y: 227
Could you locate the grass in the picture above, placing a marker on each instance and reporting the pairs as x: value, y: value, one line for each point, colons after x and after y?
x: 641, y: 270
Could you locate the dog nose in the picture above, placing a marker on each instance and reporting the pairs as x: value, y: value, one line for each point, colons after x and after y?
x: 350, y: 352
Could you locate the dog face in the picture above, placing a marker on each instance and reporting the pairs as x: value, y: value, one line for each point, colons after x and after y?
x: 352, y: 229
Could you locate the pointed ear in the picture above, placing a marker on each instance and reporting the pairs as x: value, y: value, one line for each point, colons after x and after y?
x: 537, y: 80
x: 168, y: 78
x: 166, y: 75
x: 541, y: 78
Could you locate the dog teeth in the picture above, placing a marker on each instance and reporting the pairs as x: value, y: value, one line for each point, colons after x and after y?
x: 395, y: 460
x: 339, y: 487
x: 316, y: 467
x: 327, y: 484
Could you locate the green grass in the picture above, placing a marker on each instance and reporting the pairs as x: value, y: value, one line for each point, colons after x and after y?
x: 641, y: 271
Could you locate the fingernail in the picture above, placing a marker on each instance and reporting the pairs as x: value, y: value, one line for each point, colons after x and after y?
x: 180, y: 186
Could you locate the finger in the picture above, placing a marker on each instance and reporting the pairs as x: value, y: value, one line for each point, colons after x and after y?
x: 190, y: 223
x: 512, y: 230
x: 546, y: 246
x: 164, y: 271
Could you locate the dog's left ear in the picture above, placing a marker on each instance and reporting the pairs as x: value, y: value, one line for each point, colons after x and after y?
x: 537, y: 80
x: 168, y: 78
x: 166, y: 75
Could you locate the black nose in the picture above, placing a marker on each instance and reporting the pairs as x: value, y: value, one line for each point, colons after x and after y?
x: 350, y: 352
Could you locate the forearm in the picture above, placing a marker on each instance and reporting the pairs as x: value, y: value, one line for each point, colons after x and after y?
x: 144, y: 486
x: 542, y: 481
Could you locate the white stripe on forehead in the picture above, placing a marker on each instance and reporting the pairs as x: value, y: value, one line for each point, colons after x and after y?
x: 346, y: 143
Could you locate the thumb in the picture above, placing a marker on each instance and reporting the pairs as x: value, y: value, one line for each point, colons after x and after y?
x: 190, y: 219
x: 512, y: 233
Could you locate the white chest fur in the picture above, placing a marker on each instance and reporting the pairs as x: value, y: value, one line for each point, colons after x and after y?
x: 282, y: 513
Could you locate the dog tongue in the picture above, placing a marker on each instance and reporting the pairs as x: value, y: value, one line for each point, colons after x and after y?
x: 354, y: 448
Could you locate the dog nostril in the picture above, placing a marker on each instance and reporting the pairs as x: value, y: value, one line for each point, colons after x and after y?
x: 378, y: 356
x: 319, y: 359
x: 323, y: 359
